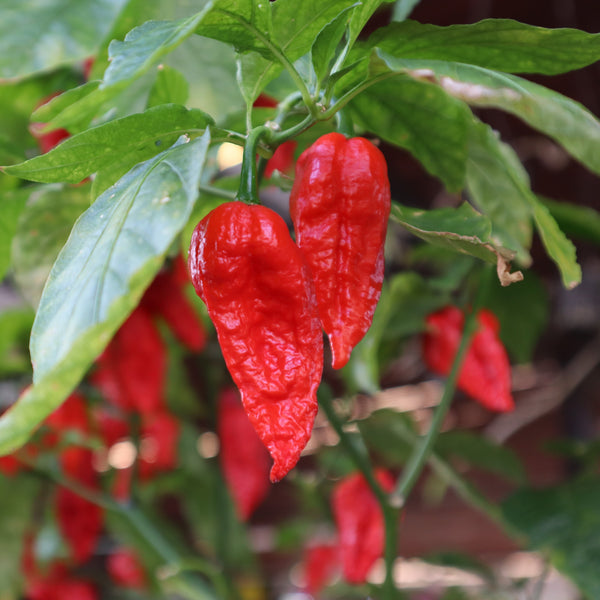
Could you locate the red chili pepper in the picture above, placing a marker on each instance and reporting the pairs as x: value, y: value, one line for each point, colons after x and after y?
x: 125, y: 569
x: 243, y: 458
x: 360, y: 524
x: 259, y: 295
x: 158, y: 447
x: 321, y: 562
x: 485, y: 373
x: 166, y: 298
x: 132, y: 369
x: 57, y: 584
x: 340, y: 203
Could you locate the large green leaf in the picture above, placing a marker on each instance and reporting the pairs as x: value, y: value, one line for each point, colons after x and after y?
x: 39, y: 36
x: 580, y: 222
x: 460, y: 229
x: 362, y: 15
x: 564, y: 522
x: 499, y: 186
x: 15, y: 327
x: 561, y: 118
x: 423, y: 119
x: 43, y: 229
x: 295, y: 26
x: 500, y: 44
x: 125, y: 141
x: 114, y: 251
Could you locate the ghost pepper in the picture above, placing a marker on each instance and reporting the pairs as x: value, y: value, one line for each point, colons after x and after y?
x: 259, y: 295
x: 485, y: 373
x: 340, y: 203
x: 360, y: 523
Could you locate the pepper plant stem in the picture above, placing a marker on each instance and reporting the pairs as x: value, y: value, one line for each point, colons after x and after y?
x: 421, y: 453
x: 248, y: 191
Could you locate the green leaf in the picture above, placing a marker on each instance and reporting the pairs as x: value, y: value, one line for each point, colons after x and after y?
x: 362, y: 15
x: 50, y: 110
x: 40, y: 36
x: 115, y: 249
x: 383, y: 432
x: 124, y: 141
x: 480, y: 452
x: 421, y: 118
x: 15, y: 326
x: 460, y: 229
x: 559, y: 248
x: 170, y: 87
x: 523, y: 313
x: 500, y: 44
x: 324, y: 49
x: 564, y: 522
x: 403, y: 8
x: 42, y: 231
x: 404, y: 303
x: 295, y: 26
x: 17, y: 499
x: 11, y: 206
x: 561, y: 118
x: 579, y: 222
x: 498, y: 184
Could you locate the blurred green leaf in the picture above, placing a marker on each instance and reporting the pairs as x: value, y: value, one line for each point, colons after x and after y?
x: 480, y: 452
x: 403, y: 8
x: 170, y: 87
x: 580, y: 222
x: 42, y: 230
x: 564, y: 522
x: 11, y: 206
x: 464, y: 562
x: 383, y: 432
x: 559, y: 248
x: 17, y: 499
x: 404, y: 303
x: 40, y: 36
x: 15, y: 327
x: 523, y: 311
x: 115, y: 249
x: 117, y: 145
x: 500, y: 44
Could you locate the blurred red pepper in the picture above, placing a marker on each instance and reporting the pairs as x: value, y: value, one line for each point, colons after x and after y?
x: 158, y: 446
x: 244, y: 460
x: 321, y: 563
x: 485, y: 373
x: 125, y: 569
x: 360, y: 523
x: 166, y: 298
x: 339, y: 204
x: 258, y: 291
x: 131, y: 371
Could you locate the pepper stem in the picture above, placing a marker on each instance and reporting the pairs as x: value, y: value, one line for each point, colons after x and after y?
x: 248, y: 190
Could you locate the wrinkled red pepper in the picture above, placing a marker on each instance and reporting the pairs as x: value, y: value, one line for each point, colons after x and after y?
x: 340, y: 203
x: 485, y: 373
x: 243, y: 458
x: 360, y: 523
x: 258, y: 291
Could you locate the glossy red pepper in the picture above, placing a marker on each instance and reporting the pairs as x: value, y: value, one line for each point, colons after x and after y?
x: 360, y: 524
x: 243, y: 458
x: 485, y: 373
x: 259, y: 295
x: 340, y: 203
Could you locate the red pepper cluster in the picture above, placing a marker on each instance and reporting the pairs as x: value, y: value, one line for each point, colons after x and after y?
x: 269, y: 296
x: 485, y: 373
